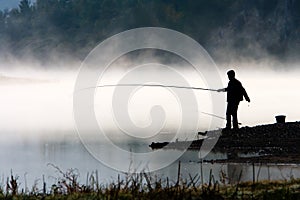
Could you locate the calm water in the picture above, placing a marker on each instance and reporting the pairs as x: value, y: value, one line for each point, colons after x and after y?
x: 29, y: 159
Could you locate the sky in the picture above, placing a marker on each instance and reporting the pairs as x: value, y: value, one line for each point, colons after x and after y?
x: 8, y: 4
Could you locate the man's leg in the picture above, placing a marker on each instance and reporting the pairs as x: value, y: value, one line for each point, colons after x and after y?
x: 228, y: 115
x: 234, y: 115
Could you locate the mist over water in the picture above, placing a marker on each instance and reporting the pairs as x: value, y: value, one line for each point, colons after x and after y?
x: 36, y: 101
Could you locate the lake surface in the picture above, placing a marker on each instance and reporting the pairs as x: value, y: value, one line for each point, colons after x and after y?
x: 32, y: 158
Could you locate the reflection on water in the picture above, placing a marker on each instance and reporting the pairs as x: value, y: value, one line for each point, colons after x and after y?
x: 31, y: 160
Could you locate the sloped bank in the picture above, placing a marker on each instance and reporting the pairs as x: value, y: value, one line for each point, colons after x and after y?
x: 268, y: 143
x: 271, y: 143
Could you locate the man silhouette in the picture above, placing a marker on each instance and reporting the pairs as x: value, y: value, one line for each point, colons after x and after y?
x: 235, y: 93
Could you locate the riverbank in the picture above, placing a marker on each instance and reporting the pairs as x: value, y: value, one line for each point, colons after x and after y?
x: 272, y: 143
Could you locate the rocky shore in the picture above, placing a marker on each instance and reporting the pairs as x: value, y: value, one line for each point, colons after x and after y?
x: 271, y: 143
x: 278, y: 142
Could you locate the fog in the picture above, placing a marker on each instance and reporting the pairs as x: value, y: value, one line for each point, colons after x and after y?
x: 38, y: 100
x: 34, y: 100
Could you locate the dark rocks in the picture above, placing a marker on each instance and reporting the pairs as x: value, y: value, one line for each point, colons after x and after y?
x: 158, y: 145
x: 268, y: 142
x: 179, y: 145
x: 273, y: 139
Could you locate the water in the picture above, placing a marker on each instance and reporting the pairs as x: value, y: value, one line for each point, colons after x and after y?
x: 32, y: 158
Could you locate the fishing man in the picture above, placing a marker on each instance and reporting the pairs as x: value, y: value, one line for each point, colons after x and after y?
x: 235, y: 93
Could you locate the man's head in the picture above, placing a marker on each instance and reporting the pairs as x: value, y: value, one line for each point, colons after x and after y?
x: 231, y: 74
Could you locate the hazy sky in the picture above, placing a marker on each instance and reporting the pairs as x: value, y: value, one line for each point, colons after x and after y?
x: 8, y: 4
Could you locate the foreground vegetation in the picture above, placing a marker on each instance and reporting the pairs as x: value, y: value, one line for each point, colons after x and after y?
x: 145, y: 186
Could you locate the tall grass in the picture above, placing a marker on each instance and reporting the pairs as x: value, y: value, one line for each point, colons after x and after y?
x: 146, y: 186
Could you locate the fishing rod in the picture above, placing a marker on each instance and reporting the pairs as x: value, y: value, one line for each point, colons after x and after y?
x: 160, y: 85
x: 152, y: 85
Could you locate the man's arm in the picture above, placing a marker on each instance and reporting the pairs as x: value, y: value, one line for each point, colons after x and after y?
x: 223, y: 89
x: 246, y: 95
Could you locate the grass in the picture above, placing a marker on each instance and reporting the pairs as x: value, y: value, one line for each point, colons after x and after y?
x: 144, y: 186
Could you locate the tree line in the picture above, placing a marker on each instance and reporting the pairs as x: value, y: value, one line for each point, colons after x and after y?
x: 74, y: 27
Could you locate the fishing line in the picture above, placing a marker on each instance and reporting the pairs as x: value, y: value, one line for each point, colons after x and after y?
x: 150, y: 85
x: 217, y: 116
x: 213, y: 115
